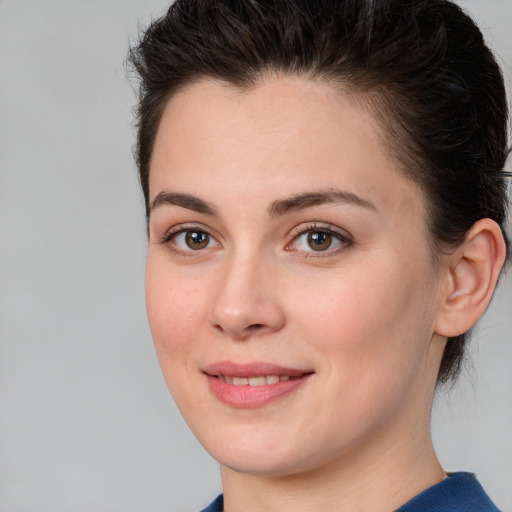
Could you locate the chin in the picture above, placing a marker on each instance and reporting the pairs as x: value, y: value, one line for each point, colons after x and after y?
x: 263, y: 466
x: 268, y: 459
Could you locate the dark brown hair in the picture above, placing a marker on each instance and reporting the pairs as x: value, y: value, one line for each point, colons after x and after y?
x: 421, y: 65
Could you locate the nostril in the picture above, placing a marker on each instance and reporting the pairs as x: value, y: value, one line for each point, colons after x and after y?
x: 218, y: 327
x: 243, y: 332
x: 246, y: 320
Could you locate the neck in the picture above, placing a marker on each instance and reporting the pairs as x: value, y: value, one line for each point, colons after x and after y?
x: 370, y: 482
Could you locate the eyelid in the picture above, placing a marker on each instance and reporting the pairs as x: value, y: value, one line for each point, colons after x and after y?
x: 178, y: 229
x: 343, y: 236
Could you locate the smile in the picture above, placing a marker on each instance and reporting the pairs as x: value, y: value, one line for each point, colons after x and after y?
x: 253, y: 385
x: 262, y: 380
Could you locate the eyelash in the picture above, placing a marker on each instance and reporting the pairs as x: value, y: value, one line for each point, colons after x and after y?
x: 344, y: 239
x: 296, y: 234
x: 174, y: 232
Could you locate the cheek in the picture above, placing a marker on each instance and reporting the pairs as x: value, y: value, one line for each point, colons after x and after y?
x: 372, y: 334
x: 176, y: 314
x: 371, y: 319
x: 175, y: 310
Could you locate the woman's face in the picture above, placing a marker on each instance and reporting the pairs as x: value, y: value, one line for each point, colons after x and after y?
x: 289, y: 286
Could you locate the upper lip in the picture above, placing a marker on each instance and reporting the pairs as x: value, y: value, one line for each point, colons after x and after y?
x: 255, y: 369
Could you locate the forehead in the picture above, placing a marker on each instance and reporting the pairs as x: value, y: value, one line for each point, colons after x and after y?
x: 284, y: 134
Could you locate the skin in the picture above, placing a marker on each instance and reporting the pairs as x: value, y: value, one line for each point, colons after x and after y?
x: 362, y: 315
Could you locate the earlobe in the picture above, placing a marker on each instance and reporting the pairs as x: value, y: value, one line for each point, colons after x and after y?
x: 473, y: 273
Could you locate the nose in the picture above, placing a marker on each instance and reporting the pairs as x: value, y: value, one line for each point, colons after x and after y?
x: 246, y: 303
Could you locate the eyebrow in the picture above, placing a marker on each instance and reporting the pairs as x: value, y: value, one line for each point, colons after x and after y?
x: 188, y: 201
x: 276, y: 209
x: 309, y: 199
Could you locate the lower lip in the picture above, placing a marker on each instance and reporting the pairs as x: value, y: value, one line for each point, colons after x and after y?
x: 252, y: 396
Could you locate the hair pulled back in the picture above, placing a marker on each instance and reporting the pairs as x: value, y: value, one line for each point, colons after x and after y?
x: 421, y: 66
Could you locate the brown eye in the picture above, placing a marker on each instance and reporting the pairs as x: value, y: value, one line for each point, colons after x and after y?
x: 196, y: 239
x: 324, y: 241
x: 319, y: 240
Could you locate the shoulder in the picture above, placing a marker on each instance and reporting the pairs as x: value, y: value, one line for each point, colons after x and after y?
x: 457, y: 493
x: 216, y: 506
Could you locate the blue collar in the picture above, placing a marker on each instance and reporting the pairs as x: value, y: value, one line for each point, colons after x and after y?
x: 460, y: 492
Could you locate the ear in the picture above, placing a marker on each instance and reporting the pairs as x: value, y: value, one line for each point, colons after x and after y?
x: 473, y: 271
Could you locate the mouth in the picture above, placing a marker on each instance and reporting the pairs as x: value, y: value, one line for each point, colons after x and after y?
x: 261, y: 380
x: 253, y: 385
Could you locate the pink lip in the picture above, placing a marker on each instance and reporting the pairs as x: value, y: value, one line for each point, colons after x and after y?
x: 246, y: 396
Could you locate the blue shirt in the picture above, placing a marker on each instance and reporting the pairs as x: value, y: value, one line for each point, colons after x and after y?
x: 460, y: 492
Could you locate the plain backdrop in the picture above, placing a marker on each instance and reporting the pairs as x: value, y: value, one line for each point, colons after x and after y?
x: 86, y: 421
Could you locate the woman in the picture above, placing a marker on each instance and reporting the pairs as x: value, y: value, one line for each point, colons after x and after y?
x: 326, y: 203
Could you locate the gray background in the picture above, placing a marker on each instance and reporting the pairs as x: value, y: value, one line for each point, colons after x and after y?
x: 86, y: 422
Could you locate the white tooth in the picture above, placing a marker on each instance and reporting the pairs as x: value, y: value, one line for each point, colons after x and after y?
x: 272, y: 379
x: 227, y: 379
x: 240, y: 381
x: 284, y: 378
x: 257, y: 381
